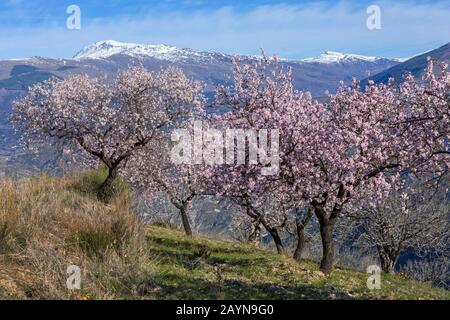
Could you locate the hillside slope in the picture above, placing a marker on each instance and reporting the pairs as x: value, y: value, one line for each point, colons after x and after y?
x: 202, y: 268
x: 47, y: 224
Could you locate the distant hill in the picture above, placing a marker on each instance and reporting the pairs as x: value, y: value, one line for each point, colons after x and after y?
x: 415, y: 65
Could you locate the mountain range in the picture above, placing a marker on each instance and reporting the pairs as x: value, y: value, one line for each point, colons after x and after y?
x: 318, y: 75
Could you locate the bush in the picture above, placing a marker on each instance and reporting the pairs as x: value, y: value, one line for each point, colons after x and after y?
x: 94, y: 243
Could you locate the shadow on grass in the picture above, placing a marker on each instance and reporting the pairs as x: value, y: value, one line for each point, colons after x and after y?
x: 185, y: 252
x: 190, y: 260
x: 191, y: 245
x: 175, y: 287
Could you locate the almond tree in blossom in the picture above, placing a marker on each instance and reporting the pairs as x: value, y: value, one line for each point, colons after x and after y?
x: 345, y: 153
x: 263, y: 98
x: 94, y: 121
x: 152, y: 172
x: 367, y: 140
x: 242, y: 187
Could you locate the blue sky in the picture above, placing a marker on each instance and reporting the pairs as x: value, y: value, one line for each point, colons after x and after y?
x: 292, y: 29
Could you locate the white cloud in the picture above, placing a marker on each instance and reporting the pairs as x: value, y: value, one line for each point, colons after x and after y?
x: 293, y: 31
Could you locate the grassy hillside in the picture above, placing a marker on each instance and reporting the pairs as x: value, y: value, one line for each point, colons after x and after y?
x: 47, y: 224
x: 201, y: 268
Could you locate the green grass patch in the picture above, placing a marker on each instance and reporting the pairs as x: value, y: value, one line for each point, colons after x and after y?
x: 201, y: 268
x: 90, y: 181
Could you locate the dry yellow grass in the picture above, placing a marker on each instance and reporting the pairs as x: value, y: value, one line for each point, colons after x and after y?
x: 47, y: 224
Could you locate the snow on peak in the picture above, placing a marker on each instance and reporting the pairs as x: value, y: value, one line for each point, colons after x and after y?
x: 336, y: 57
x: 108, y: 48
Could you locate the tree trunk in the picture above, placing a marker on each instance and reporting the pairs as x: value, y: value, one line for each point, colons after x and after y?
x: 301, y: 239
x: 277, y: 240
x: 387, y: 261
x: 326, y: 233
x: 105, y: 191
x: 185, y: 221
x: 251, y: 212
x: 255, y: 234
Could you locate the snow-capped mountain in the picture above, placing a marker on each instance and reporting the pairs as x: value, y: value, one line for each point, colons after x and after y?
x: 108, y: 48
x: 318, y: 75
x: 338, y: 57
